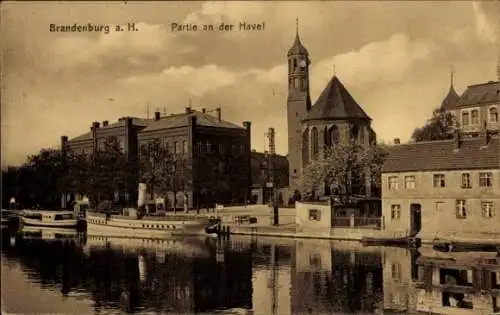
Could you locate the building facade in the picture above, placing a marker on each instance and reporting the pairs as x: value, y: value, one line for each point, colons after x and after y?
x: 447, y: 189
x: 477, y: 109
x: 335, y: 117
x: 212, y: 156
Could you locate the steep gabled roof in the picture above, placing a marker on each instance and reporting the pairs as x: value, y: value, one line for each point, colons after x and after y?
x: 335, y: 102
x: 440, y: 155
x: 180, y: 120
x: 480, y: 94
x: 451, y: 100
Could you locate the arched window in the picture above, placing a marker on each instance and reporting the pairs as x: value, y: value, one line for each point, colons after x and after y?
x: 328, y: 138
x: 465, y: 119
x: 354, y: 132
x: 305, y: 148
x: 314, y: 143
x: 474, y: 117
x: 331, y: 136
x: 493, y: 113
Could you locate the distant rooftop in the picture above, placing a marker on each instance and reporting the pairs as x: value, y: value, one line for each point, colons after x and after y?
x: 180, y: 120
x: 440, y: 155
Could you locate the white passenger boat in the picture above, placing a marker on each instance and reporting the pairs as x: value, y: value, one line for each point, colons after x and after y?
x: 40, y: 218
x: 129, y: 225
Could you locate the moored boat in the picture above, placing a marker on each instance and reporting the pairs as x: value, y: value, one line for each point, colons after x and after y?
x: 129, y: 224
x: 66, y: 219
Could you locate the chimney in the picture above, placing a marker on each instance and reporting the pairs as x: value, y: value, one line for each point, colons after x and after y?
x: 105, y: 123
x: 157, y: 115
x: 203, y: 110
x: 64, y: 142
x: 96, y: 124
x: 188, y: 110
x: 397, y: 141
x: 219, y: 114
x: 456, y: 140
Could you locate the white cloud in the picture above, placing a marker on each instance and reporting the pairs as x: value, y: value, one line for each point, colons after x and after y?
x: 484, y: 27
x: 194, y: 81
x: 389, y: 61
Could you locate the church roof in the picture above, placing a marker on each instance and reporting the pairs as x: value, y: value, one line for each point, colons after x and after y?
x: 480, y: 94
x: 451, y: 100
x: 335, y: 102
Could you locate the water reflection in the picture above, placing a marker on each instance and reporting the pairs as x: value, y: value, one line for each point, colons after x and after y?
x: 261, y: 276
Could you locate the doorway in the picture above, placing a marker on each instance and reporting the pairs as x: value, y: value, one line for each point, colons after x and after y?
x: 415, y: 218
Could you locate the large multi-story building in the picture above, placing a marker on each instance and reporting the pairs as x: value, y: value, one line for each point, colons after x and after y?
x: 476, y: 109
x: 335, y: 116
x: 216, y: 152
x: 446, y: 189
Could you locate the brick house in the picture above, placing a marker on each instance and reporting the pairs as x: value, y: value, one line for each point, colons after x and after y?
x: 262, y: 170
x: 448, y: 189
x: 216, y: 152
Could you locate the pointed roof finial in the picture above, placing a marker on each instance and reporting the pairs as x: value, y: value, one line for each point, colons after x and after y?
x: 452, y: 73
x: 334, y: 73
x: 297, y: 25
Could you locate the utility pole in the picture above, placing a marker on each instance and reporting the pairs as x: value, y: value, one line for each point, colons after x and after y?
x: 272, y: 174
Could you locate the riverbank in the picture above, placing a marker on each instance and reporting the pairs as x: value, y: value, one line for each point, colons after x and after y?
x: 346, y: 234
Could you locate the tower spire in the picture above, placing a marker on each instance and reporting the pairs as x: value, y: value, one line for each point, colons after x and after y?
x: 297, y: 26
x: 452, y: 73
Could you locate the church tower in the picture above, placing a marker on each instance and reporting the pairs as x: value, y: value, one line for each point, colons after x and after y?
x: 298, y: 103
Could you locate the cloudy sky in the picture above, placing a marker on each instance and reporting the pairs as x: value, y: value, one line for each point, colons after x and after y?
x: 394, y: 58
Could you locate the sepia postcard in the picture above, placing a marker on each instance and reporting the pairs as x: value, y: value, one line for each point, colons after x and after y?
x: 250, y: 157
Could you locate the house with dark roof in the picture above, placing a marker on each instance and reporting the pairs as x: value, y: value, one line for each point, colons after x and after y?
x: 447, y: 189
x: 335, y: 116
x: 265, y: 168
x: 476, y: 109
x: 213, y: 155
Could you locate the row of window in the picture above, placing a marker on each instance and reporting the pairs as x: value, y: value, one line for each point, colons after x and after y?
x: 439, y: 180
x: 208, y: 147
x: 462, y: 209
x: 473, y: 117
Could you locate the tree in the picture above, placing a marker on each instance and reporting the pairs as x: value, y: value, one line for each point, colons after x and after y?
x: 439, y: 127
x: 100, y: 175
x: 343, y: 169
x: 163, y: 171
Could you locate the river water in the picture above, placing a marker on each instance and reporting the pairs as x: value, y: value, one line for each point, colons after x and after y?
x: 81, y: 274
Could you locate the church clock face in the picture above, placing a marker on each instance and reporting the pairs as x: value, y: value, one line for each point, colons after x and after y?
x: 303, y: 63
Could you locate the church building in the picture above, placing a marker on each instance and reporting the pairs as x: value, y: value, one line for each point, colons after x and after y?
x: 335, y: 117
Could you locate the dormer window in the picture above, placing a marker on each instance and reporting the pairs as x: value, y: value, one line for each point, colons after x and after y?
x: 493, y: 114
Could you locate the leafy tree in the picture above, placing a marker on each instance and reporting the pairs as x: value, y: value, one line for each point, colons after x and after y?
x: 163, y: 171
x: 343, y: 169
x: 99, y: 175
x: 439, y: 127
